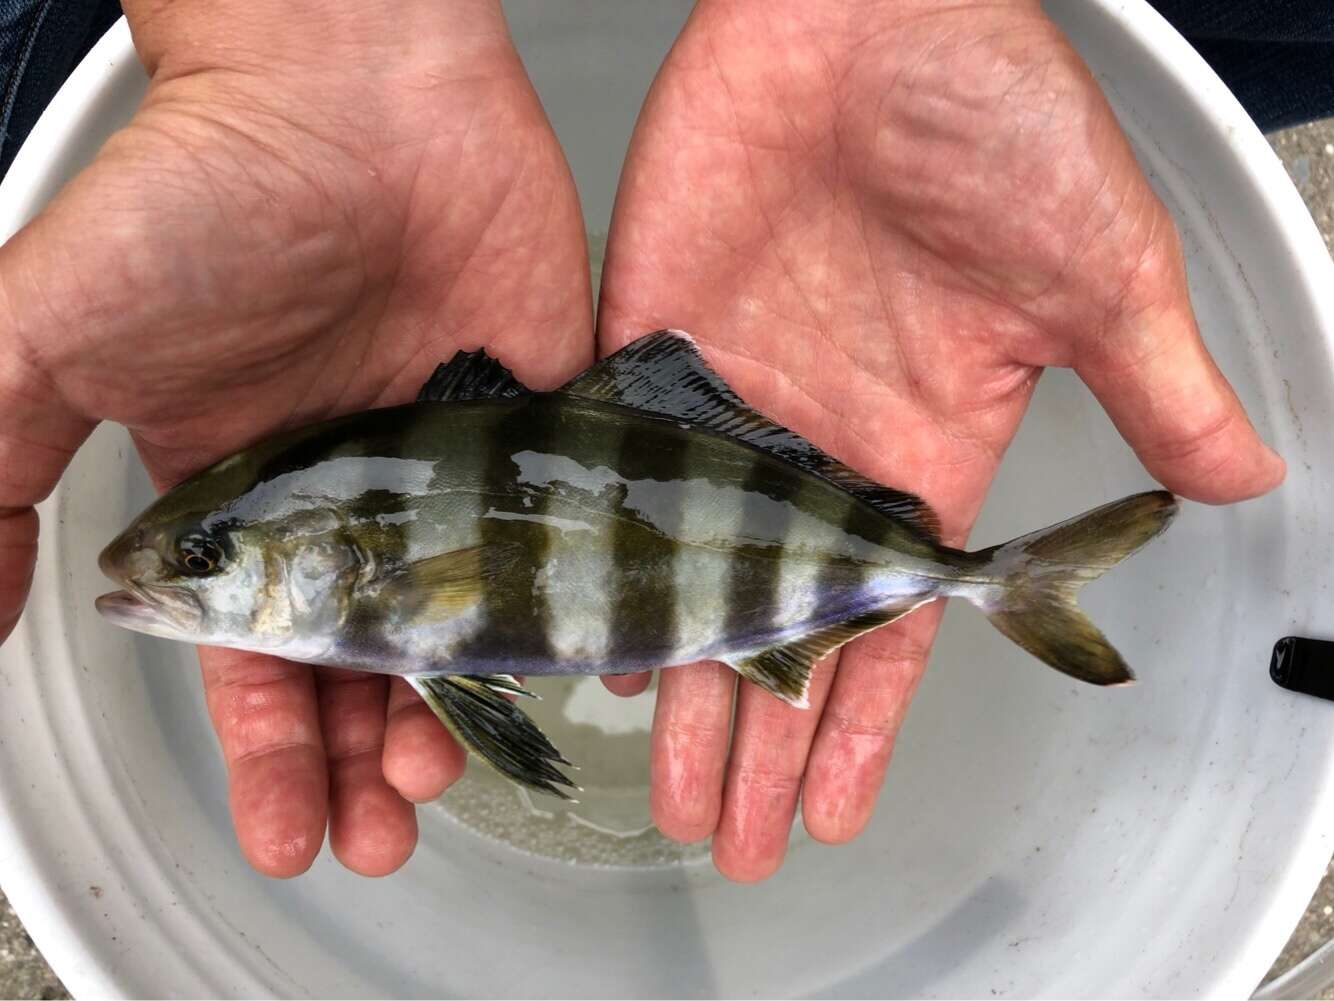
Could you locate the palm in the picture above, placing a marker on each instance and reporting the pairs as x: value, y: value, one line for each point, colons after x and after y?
x: 880, y: 230
x: 333, y: 269
x: 327, y: 268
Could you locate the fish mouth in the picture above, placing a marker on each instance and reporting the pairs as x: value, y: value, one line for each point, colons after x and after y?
x: 132, y: 609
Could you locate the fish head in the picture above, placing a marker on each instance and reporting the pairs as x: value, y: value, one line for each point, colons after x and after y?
x: 207, y: 573
x: 180, y: 579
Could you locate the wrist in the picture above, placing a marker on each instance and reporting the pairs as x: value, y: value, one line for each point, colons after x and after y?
x: 830, y: 22
x: 178, y: 37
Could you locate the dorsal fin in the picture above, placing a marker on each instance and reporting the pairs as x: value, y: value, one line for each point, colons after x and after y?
x: 664, y: 373
x: 471, y: 375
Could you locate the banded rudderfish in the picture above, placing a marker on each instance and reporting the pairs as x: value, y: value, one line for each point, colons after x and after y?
x: 641, y: 516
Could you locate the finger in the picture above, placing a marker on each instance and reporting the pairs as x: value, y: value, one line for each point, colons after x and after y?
x: 372, y: 829
x: 421, y: 760
x: 770, y: 745
x: 1155, y: 378
x: 691, y: 722
x: 265, y: 715
x: 877, y: 675
x: 626, y: 685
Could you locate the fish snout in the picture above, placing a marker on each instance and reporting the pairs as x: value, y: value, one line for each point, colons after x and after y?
x: 114, y: 560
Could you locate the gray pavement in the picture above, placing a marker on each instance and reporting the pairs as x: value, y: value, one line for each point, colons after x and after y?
x: 1308, y: 152
x: 23, y: 971
x: 1315, y: 929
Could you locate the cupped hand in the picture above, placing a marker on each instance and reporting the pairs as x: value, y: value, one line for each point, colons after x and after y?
x: 311, y: 209
x: 881, y: 220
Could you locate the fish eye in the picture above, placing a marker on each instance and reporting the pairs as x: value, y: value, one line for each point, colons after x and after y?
x: 198, y: 554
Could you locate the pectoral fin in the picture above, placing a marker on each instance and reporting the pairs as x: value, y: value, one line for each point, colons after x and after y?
x: 482, y: 719
x: 445, y: 585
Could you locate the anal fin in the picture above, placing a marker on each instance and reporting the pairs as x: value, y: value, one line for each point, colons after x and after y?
x: 482, y: 719
x: 785, y: 671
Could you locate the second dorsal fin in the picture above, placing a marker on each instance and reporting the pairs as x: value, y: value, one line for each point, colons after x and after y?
x: 664, y: 373
x: 471, y: 375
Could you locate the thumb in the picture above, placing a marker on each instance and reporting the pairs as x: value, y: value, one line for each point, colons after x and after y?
x: 39, y: 431
x: 38, y: 437
x: 1153, y: 375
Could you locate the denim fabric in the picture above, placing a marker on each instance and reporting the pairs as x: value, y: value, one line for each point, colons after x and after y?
x: 41, y: 41
x: 19, y: 24
x: 1276, y: 55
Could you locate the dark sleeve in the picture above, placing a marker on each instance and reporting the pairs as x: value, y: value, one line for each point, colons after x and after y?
x: 41, y: 41
x: 1277, y: 56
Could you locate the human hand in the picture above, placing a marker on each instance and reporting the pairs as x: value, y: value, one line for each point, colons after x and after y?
x: 881, y: 220
x: 311, y: 209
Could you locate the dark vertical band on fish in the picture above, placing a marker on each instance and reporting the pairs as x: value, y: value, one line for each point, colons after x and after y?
x: 645, y: 603
x: 517, y: 616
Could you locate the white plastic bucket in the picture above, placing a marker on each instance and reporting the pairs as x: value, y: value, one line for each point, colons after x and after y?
x: 1035, y: 837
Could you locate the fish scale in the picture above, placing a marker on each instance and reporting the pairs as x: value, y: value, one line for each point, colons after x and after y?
x: 647, y: 564
x: 641, y: 516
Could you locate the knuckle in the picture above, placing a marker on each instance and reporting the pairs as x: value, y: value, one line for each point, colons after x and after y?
x: 766, y: 781
x: 882, y: 726
x: 692, y: 734
x: 898, y: 657
x: 1203, y: 446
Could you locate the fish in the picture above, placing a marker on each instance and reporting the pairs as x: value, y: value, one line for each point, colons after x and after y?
x: 640, y: 516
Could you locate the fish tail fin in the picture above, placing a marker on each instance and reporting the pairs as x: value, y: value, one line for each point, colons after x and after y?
x: 1040, y: 575
x: 476, y: 710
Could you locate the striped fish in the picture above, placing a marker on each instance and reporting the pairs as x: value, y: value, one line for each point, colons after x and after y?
x: 641, y: 516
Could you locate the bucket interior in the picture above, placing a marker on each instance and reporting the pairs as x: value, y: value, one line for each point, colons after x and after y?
x: 1034, y: 837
